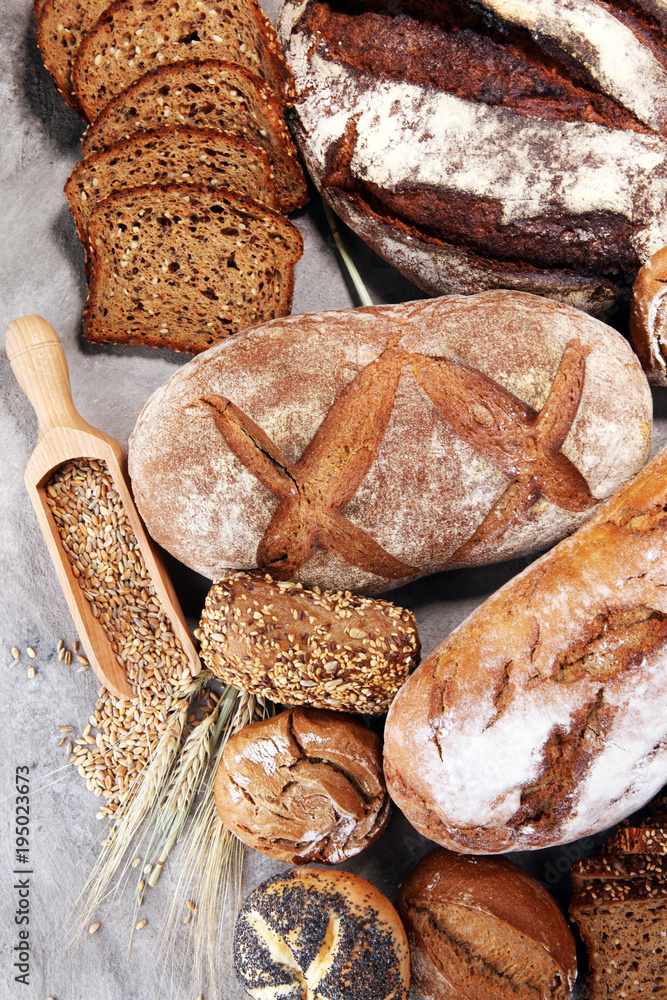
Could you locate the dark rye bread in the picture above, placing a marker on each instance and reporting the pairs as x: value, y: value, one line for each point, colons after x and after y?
x: 206, y: 94
x: 611, y: 868
x: 184, y: 266
x: 623, y: 925
x: 477, y: 145
x: 133, y: 37
x: 483, y: 928
x: 170, y: 156
x: 60, y: 26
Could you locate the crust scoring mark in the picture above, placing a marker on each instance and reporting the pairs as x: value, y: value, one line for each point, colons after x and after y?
x: 510, y: 434
x: 307, y: 980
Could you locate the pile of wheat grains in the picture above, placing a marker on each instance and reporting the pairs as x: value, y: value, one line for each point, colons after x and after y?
x: 105, y: 558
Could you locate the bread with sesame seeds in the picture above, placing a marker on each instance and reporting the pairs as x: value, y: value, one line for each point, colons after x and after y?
x: 325, y: 934
x: 60, y: 26
x: 184, y: 266
x: 133, y: 37
x: 172, y: 155
x: 297, y: 646
x: 206, y: 94
x: 304, y: 786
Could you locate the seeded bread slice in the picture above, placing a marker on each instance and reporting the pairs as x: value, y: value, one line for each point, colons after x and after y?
x: 623, y: 925
x: 60, y: 26
x: 169, y: 156
x: 133, y: 37
x: 184, y: 266
x: 206, y: 94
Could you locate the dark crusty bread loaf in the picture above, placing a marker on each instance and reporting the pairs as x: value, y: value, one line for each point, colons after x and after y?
x: 482, y: 927
x: 543, y: 717
x: 60, y: 26
x: 183, y: 266
x: 209, y: 94
x: 325, y: 934
x: 174, y: 155
x: 305, y: 786
x: 307, y: 647
x: 358, y: 449
x: 486, y: 144
x: 133, y: 37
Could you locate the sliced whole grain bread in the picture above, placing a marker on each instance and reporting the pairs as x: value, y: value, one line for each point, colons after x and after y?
x: 172, y: 155
x: 133, y: 37
x: 206, y: 94
x: 600, y: 868
x: 623, y: 924
x: 60, y: 26
x: 184, y: 266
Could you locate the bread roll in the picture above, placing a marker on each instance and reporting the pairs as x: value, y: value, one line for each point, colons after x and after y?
x: 482, y: 927
x: 360, y: 449
x: 543, y: 717
x: 329, y: 935
x: 485, y: 144
x: 307, y: 647
x: 304, y: 786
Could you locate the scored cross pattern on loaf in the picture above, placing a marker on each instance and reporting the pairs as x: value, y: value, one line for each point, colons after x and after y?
x: 511, y: 435
x: 305, y: 980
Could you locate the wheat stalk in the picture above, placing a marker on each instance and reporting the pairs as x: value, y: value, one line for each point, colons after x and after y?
x: 362, y: 291
x: 133, y: 811
x: 212, y: 861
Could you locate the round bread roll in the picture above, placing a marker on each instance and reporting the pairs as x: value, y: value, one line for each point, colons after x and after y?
x: 306, y: 785
x: 482, y: 927
x: 297, y: 646
x: 329, y: 935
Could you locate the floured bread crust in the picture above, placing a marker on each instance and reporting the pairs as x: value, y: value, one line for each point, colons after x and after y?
x: 360, y: 449
x: 538, y: 162
x: 543, y: 717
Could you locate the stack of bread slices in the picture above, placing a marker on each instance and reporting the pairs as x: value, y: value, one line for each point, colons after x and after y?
x: 188, y: 167
x: 620, y: 906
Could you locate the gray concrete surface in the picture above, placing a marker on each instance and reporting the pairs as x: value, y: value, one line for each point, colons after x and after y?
x: 41, y: 271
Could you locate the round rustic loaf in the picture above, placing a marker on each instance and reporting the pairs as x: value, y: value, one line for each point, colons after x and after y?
x: 304, y: 786
x: 324, y: 934
x: 543, y: 717
x: 360, y: 449
x: 326, y: 649
x: 487, y: 144
x: 482, y: 927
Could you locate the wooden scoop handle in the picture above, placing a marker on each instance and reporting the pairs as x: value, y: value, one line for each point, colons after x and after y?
x: 38, y: 361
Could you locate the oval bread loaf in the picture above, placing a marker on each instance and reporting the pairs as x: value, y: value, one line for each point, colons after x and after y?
x: 295, y: 646
x: 485, y: 144
x: 364, y: 448
x: 543, y: 717
x: 482, y: 927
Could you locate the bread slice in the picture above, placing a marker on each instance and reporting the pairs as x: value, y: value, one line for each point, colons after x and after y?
x: 208, y: 94
x: 184, y: 266
x: 623, y: 925
x: 171, y: 155
x: 133, y: 37
x: 60, y: 26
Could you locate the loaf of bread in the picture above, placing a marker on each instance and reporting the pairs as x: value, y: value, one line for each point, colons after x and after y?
x: 324, y: 934
x: 184, y: 266
x: 304, y: 786
x: 648, y: 317
x: 359, y: 449
x: 206, y: 94
x: 173, y: 155
x: 133, y: 37
x: 482, y: 927
x: 543, y: 717
x: 486, y: 144
x: 326, y: 649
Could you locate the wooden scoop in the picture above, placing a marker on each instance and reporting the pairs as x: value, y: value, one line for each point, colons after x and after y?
x: 38, y: 361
